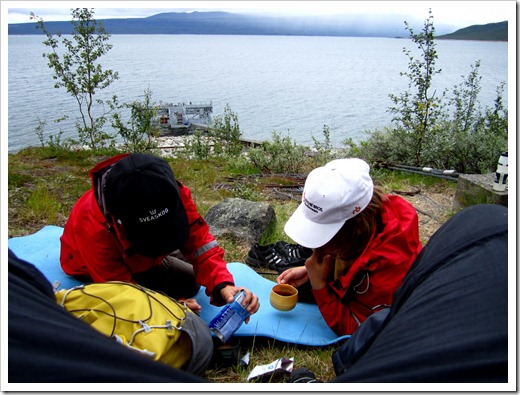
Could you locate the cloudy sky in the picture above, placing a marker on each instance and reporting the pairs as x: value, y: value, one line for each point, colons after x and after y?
x: 458, y: 13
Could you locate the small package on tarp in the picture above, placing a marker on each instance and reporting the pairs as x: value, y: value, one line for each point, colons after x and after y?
x: 282, y: 365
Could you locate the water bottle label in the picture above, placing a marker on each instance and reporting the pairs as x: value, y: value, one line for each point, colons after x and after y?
x: 229, y: 319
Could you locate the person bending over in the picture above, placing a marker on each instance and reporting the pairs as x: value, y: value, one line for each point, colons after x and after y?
x: 363, y: 243
x: 138, y: 223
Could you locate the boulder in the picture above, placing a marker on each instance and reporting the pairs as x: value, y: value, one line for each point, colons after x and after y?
x: 245, y: 220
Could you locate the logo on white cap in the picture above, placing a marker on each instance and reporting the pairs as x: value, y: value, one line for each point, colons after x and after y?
x: 311, y: 206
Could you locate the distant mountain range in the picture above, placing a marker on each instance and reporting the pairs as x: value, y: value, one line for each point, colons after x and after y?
x: 489, y: 32
x: 226, y: 23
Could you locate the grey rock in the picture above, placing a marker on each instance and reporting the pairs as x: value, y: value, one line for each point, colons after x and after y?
x: 243, y: 219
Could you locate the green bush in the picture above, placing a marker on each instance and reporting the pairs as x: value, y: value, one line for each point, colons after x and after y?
x: 447, y: 132
x: 226, y: 135
x: 76, y: 68
x: 139, y: 130
x: 281, y: 155
x: 323, y: 151
x: 198, y: 146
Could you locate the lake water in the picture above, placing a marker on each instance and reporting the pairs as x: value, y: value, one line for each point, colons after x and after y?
x: 294, y: 85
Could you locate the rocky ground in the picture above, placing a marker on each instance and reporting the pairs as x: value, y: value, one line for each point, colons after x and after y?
x: 434, y: 208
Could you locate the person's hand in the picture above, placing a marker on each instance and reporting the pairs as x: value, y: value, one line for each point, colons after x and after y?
x: 318, y: 268
x: 229, y: 292
x: 192, y: 304
x: 295, y: 276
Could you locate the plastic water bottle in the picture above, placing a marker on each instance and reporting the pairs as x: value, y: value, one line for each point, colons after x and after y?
x: 500, y: 183
x: 229, y: 319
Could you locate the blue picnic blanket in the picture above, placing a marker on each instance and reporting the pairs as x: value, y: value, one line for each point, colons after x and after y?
x: 302, y: 325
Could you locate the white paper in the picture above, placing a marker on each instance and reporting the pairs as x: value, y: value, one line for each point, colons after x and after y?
x: 282, y: 364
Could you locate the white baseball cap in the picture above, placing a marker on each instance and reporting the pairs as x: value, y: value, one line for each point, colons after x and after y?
x: 332, y: 194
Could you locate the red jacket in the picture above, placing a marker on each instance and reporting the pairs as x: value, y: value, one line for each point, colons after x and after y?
x: 92, y: 246
x: 369, y: 284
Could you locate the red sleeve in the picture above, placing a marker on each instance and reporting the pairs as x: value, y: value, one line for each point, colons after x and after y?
x: 202, y: 250
x: 340, y: 317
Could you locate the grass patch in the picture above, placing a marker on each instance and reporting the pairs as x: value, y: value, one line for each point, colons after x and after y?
x: 16, y: 180
x: 406, y: 181
x: 42, y: 206
x: 263, y: 351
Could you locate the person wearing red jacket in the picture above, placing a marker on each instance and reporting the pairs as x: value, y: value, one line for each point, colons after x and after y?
x: 363, y: 244
x: 139, y: 224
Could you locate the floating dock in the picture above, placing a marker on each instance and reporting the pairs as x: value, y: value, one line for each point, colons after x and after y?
x: 181, y: 118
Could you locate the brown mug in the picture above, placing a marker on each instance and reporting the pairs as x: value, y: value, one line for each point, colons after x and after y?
x: 283, y: 297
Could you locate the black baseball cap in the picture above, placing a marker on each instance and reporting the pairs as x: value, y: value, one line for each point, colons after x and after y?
x: 143, y: 196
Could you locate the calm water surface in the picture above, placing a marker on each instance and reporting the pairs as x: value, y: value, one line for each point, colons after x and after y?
x: 293, y: 85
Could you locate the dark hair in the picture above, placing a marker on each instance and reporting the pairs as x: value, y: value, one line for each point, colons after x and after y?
x: 354, y: 235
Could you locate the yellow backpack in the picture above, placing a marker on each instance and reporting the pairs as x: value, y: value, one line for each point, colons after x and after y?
x: 144, y: 320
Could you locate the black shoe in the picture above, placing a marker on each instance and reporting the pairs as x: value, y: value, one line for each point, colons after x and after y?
x: 268, y: 257
x: 303, y: 375
x: 263, y: 256
x: 293, y: 250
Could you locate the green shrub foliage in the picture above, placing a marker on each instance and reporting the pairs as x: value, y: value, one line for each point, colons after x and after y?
x: 226, y: 135
x: 77, y: 69
x: 281, y: 155
x: 450, y: 131
x: 139, y: 130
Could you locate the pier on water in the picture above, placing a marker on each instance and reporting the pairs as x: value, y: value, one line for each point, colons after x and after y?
x: 181, y: 118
